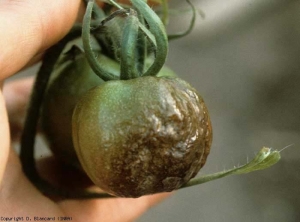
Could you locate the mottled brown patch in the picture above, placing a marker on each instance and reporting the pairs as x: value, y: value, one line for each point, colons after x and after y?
x: 142, y: 136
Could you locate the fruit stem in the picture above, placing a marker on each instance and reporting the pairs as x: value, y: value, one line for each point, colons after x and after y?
x: 264, y: 159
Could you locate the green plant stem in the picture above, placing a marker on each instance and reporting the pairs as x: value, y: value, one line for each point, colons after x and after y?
x: 90, y: 56
x: 30, y: 125
x: 264, y: 159
x: 129, y: 46
x: 158, y: 30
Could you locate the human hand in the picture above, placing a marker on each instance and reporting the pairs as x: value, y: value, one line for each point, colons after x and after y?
x: 28, y: 28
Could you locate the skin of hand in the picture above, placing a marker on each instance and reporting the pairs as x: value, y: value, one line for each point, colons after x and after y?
x: 28, y: 28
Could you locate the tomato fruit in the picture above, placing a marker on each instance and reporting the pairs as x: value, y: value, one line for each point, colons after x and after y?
x: 141, y: 136
x: 71, y: 80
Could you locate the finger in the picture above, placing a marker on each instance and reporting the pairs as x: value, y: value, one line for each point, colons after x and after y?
x: 64, y: 176
x: 19, y: 197
x: 111, y: 210
x: 4, y: 132
x: 61, y: 174
x: 29, y: 27
x: 16, y: 94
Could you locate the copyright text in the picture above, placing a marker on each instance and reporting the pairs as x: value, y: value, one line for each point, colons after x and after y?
x: 35, y: 218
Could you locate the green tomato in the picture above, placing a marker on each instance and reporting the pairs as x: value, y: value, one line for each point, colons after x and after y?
x: 141, y: 136
x: 70, y: 80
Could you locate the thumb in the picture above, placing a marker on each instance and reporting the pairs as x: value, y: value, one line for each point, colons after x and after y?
x: 29, y: 27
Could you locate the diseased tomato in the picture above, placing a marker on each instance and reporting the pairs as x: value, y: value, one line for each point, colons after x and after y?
x: 70, y: 81
x: 144, y: 133
x: 141, y: 136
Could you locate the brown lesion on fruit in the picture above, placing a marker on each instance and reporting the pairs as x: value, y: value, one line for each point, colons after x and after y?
x: 166, y: 144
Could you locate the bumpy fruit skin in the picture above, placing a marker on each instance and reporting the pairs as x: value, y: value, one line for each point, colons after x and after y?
x: 141, y: 136
x: 70, y: 80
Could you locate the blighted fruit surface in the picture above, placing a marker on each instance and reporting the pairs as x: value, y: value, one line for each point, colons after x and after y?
x: 141, y: 136
x: 70, y: 80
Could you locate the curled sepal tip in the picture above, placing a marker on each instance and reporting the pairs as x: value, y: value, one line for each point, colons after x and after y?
x: 158, y: 31
x: 264, y: 159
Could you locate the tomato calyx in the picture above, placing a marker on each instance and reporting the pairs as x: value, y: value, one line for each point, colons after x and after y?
x: 132, y: 45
